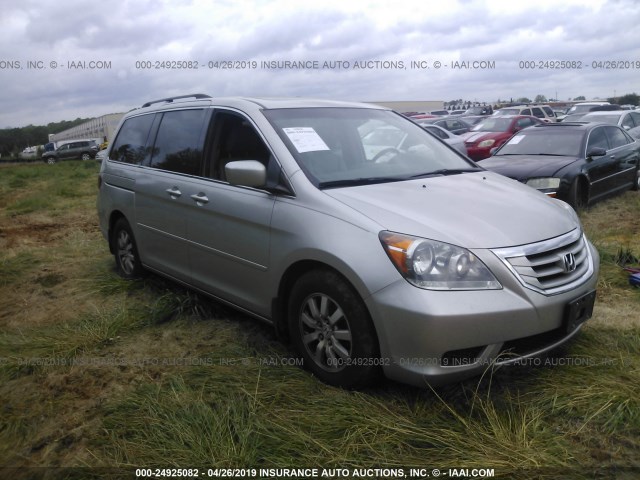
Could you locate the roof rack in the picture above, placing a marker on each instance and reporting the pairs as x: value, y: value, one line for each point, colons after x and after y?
x: 171, y: 99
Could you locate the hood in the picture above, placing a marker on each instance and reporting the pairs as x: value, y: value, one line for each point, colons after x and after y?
x: 521, y: 167
x: 477, y: 137
x: 472, y: 210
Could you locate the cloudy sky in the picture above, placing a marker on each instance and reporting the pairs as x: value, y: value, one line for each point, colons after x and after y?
x: 62, y: 60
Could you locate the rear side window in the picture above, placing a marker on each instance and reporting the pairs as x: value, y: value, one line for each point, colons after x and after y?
x: 617, y: 137
x: 628, y: 122
x: 537, y: 113
x: 130, y: 144
x: 179, y: 142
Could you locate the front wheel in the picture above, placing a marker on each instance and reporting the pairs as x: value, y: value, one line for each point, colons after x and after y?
x: 332, y: 331
x: 51, y: 160
x: 86, y: 156
x: 578, y: 195
x: 125, y: 250
x: 636, y: 186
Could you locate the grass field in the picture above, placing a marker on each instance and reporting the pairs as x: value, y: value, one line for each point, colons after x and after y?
x: 99, y: 372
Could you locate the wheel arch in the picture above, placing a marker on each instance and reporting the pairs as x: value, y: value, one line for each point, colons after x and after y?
x: 288, y: 279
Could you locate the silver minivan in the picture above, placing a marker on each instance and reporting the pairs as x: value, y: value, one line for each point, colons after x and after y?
x: 370, y: 256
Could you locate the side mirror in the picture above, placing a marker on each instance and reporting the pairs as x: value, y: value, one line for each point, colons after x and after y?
x: 596, y: 152
x: 246, y: 173
x: 626, y: 127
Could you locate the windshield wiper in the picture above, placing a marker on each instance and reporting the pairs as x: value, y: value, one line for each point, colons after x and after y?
x: 448, y: 171
x: 352, y: 182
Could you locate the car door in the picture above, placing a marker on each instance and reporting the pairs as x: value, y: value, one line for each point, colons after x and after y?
x: 624, y: 155
x: 600, y: 169
x: 229, y: 226
x: 64, y: 152
x: 164, y: 189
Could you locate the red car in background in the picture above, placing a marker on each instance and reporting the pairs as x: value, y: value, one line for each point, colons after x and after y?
x: 493, y: 132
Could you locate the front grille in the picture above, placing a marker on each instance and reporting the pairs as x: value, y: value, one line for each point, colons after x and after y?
x: 552, y: 266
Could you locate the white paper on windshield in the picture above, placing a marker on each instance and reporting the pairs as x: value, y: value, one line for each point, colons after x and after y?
x: 516, y: 140
x: 305, y: 139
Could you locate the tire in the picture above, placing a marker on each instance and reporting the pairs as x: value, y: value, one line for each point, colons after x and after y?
x: 636, y: 186
x: 51, y: 160
x: 128, y: 262
x: 578, y: 194
x: 331, y: 330
x: 86, y: 156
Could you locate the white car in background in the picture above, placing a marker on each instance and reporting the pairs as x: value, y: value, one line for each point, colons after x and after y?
x: 454, y: 141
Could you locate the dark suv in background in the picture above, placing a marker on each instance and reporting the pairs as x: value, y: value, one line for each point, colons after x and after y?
x: 84, y: 149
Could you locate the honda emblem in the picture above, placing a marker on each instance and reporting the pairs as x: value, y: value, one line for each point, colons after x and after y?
x: 569, y: 262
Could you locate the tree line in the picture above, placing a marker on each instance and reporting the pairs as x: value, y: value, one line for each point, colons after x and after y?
x: 15, y: 140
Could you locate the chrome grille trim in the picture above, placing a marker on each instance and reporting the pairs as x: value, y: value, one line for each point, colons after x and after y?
x: 540, y: 266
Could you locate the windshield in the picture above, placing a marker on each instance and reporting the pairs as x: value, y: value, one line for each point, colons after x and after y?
x: 545, y: 142
x: 335, y: 146
x: 582, y: 108
x: 493, y: 124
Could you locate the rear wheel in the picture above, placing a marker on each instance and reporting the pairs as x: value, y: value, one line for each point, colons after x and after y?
x: 579, y: 194
x: 331, y: 330
x: 125, y: 250
x: 51, y: 160
x: 86, y: 156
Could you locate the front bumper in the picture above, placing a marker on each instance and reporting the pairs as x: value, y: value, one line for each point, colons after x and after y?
x: 439, y: 337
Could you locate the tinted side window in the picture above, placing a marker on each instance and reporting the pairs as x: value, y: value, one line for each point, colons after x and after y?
x: 537, y: 113
x: 549, y: 112
x: 130, y: 144
x: 617, y: 138
x: 235, y: 139
x: 597, y: 138
x: 179, y: 142
x: 526, y: 111
x: 636, y: 118
x: 628, y: 122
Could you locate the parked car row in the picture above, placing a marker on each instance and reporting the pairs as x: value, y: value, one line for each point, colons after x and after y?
x: 579, y: 163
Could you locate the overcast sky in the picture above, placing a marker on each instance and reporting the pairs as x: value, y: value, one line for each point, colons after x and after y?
x: 43, y: 44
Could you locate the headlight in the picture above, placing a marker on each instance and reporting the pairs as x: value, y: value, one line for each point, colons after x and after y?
x: 435, y: 265
x: 544, y: 183
x: 486, y: 143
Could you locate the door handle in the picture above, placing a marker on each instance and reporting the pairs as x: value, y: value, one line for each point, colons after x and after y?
x: 200, y: 199
x: 174, y: 192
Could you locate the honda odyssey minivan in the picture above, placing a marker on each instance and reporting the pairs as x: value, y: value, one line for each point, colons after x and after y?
x: 405, y: 260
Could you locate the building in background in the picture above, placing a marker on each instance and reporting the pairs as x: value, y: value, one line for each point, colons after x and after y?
x: 96, y: 129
